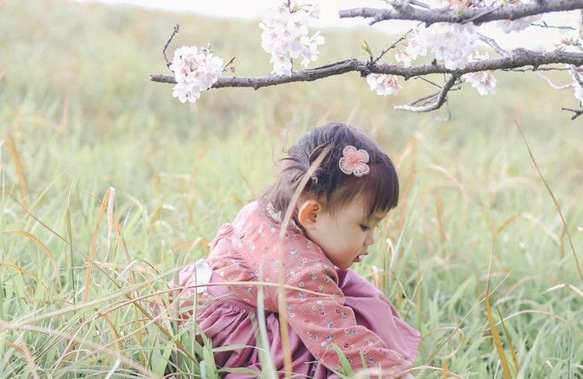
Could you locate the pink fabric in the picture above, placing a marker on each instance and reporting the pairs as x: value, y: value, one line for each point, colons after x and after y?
x: 356, y: 317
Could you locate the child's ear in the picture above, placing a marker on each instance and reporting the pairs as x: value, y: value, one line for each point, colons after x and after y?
x: 308, y: 213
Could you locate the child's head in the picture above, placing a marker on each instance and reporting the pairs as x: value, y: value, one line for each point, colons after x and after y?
x: 338, y: 208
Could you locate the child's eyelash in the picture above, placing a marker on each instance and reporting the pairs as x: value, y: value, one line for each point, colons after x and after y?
x: 364, y: 228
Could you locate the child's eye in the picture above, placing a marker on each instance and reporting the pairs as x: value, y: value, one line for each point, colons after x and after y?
x: 364, y: 228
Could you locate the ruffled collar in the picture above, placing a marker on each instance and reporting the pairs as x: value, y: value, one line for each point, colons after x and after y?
x: 276, y: 215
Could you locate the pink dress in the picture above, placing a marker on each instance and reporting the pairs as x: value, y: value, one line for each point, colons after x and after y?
x: 352, y: 313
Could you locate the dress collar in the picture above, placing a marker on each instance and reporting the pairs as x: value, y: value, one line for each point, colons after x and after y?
x: 276, y: 215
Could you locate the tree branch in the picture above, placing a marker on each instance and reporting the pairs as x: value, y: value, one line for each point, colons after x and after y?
x: 405, y: 11
x: 516, y: 59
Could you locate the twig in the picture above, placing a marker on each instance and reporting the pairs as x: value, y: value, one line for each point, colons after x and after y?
x: 577, y: 112
x: 441, y: 97
x: 429, y: 81
x: 394, y: 44
x: 476, y: 15
x: 176, y: 28
x: 390, y: 48
x: 228, y: 63
x: 492, y: 43
x: 425, y: 99
x: 547, y: 26
x: 537, y: 69
x: 553, y: 85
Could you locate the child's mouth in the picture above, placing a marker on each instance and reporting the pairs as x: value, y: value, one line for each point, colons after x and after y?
x: 359, y: 256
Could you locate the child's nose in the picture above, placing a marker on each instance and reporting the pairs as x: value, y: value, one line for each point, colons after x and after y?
x: 369, y: 238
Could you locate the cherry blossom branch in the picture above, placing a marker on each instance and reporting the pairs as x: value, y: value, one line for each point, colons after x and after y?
x: 404, y: 11
x: 517, y: 58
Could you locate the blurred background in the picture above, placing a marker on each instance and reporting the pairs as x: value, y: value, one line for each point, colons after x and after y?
x: 108, y: 182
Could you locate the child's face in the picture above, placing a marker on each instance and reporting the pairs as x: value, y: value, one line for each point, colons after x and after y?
x: 343, y: 236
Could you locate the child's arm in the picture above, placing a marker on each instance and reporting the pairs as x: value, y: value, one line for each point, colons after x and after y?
x: 322, y: 321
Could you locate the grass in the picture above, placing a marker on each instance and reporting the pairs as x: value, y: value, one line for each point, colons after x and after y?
x: 109, y: 185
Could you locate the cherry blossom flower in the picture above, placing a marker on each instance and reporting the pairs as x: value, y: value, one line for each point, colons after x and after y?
x: 417, y: 47
x: 195, y: 71
x: 483, y: 81
x: 509, y: 26
x: 451, y: 43
x: 286, y: 35
x: 403, y: 57
x: 383, y: 84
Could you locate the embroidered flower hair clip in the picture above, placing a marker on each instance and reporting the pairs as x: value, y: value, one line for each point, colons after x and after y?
x: 354, y: 161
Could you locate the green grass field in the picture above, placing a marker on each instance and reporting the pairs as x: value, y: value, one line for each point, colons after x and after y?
x: 109, y: 185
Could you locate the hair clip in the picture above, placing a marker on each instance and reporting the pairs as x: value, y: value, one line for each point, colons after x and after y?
x: 354, y: 161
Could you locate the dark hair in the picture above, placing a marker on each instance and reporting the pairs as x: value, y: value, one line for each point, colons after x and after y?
x: 329, y: 184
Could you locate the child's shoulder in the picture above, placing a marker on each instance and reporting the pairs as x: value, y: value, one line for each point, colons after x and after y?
x: 256, y: 214
x: 254, y: 235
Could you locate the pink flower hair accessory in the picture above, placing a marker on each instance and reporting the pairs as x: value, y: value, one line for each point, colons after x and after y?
x: 354, y: 162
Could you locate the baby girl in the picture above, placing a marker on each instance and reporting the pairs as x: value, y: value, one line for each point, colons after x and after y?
x: 329, y: 307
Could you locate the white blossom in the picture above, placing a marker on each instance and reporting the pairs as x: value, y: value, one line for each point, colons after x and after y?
x: 195, y: 71
x: 383, y: 84
x: 403, y: 57
x: 483, y: 81
x: 286, y: 35
x: 453, y: 44
x: 509, y: 26
x: 417, y: 47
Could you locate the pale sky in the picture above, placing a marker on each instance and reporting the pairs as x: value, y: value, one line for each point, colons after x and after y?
x: 532, y: 38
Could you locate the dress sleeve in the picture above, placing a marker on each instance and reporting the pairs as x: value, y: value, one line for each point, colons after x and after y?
x: 323, y: 320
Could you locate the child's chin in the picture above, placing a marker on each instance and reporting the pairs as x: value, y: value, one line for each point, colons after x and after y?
x: 345, y: 266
